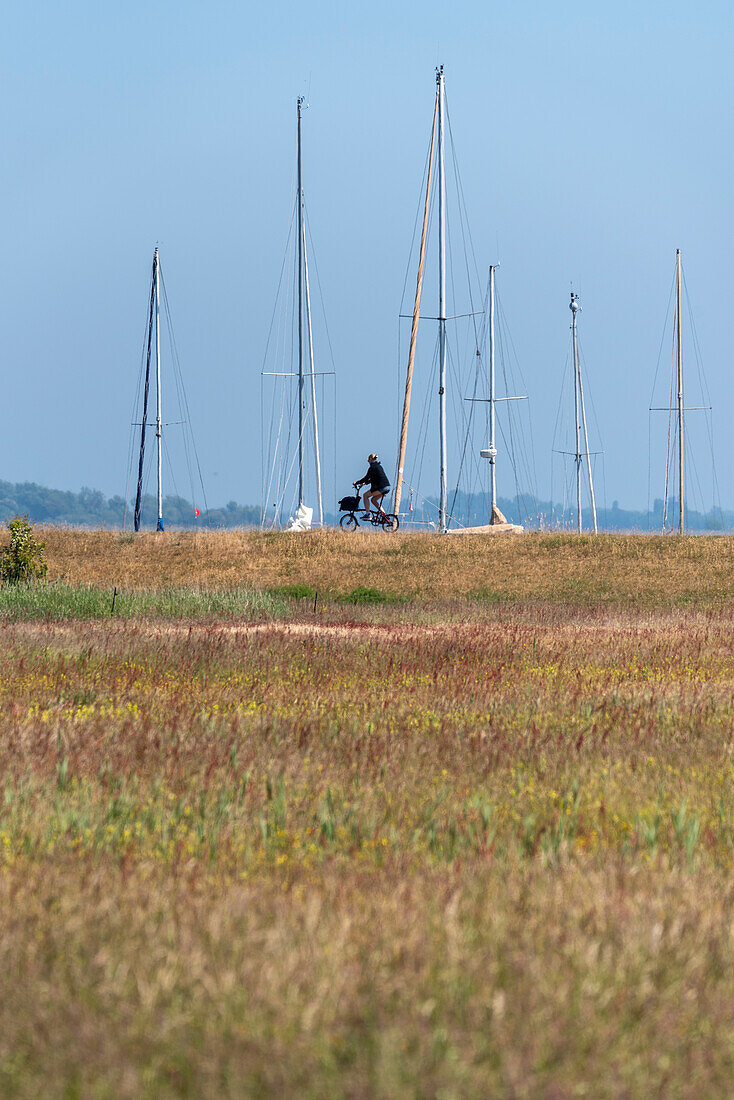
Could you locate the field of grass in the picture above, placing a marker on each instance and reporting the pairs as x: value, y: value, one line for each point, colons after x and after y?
x: 637, y: 571
x: 469, y: 838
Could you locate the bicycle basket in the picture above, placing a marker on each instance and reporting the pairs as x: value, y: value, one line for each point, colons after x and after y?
x: 348, y: 504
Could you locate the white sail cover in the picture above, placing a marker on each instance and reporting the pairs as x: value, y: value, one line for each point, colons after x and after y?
x: 302, y: 519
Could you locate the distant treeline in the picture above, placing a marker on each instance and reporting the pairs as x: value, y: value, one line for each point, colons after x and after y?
x: 91, y: 508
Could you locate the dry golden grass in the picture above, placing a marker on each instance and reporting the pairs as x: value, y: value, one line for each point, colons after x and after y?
x: 453, y: 847
x: 629, y: 570
x: 122, y: 983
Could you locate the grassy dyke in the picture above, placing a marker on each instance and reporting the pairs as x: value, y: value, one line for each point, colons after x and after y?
x: 643, y: 571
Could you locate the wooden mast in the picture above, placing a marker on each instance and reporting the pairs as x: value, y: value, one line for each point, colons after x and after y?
x: 414, y: 328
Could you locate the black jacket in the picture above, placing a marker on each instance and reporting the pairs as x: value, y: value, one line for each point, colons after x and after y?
x: 375, y: 477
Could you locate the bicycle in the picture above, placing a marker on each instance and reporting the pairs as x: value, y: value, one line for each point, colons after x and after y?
x: 385, y: 521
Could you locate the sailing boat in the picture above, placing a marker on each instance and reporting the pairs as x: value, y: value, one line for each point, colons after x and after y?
x: 581, y: 453
x: 306, y: 398
x: 580, y: 408
x: 677, y: 430
x: 496, y: 518
x: 152, y: 347
x: 438, y: 116
x: 154, y: 326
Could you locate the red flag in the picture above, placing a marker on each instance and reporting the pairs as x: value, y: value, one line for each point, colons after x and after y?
x: 196, y: 511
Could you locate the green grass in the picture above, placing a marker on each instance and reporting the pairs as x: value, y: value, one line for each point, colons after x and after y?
x: 364, y: 596
x: 59, y: 601
x: 440, y: 847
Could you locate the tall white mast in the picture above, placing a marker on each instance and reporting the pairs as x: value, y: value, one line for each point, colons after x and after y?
x: 575, y: 306
x: 442, y: 518
x: 300, y: 311
x: 492, y: 445
x: 159, y: 395
x: 314, y: 411
x: 580, y: 408
x: 679, y: 342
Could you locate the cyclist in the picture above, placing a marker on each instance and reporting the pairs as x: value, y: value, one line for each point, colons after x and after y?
x: 378, y: 483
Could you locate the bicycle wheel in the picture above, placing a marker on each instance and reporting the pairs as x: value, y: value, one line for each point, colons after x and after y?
x: 349, y: 522
x: 390, y: 522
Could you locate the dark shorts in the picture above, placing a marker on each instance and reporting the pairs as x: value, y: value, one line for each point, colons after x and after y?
x: 383, y: 492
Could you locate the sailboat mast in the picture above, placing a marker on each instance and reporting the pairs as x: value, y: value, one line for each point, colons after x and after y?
x: 414, y: 327
x: 312, y: 376
x: 492, y: 447
x: 159, y: 395
x: 146, y: 392
x: 442, y: 519
x: 575, y: 307
x: 300, y: 310
x: 679, y: 342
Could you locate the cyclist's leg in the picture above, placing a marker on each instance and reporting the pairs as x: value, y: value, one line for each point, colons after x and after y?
x: 373, y: 496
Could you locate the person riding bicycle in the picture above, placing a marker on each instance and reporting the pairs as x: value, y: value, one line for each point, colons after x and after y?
x: 378, y: 483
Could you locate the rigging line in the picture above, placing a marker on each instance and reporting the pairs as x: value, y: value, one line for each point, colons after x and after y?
x: 313, y: 262
x: 178, y: 381
x: 262, y: 453
x: 419, y: 208
x: 282, y: 356
x: 466, y: 440
x: 462, y: 201
x: 697, y: 493
x: 556, y: 426
x: 590, y: 395
x: 703, y: 383
x: 506, y: 332
x: 273, y: 448
x: 717, y: 494
x: 662, y: 340
x: 280, y: 282
x: 185, y: 405
x: 282, y: 483
x: 303, y: 435
x: 426, y: 500
x: 427, y: 404
x: 172, y: 475
x: 668, y: 453
x: 696, y: 346
x: 513, y: 463
x: 136, y: 403
x: 649, y: 467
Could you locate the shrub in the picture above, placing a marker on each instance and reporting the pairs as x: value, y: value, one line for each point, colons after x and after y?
x: 22, y: 561
x: 362, y: 595
x: 294, y: 591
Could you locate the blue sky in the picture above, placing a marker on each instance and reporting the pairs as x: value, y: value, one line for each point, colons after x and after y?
x: 592, y: 140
